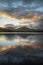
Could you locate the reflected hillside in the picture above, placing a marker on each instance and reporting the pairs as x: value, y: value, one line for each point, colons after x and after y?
x: 10, y: 37
x: 28, y: 49
x: 29, y: 53
x: 6, y: 40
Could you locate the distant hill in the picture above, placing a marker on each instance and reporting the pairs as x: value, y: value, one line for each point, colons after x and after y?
x: 21, y: 29
x: 5, y: 30
x: 25, y: 29
x: 9, y: 26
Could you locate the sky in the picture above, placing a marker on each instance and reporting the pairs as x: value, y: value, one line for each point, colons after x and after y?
x: 27, y: 13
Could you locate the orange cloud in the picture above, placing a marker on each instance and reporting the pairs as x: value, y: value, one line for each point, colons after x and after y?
x: 3, y: 13
x: 28, y: 17
x: 34, y: 18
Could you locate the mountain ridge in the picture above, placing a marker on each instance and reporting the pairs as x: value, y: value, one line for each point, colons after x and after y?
x: 12, y: 28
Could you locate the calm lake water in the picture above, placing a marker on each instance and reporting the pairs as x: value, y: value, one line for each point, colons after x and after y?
x: 32, y: 48
x: 6, y: 40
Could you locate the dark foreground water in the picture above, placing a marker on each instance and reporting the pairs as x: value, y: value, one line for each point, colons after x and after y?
x: 21, y: 49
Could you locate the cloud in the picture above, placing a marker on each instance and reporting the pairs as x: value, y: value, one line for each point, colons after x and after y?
x: 33, y: 19
x: 29, y: 4
x: 40, y: 24
x: 29, y: 10
x: 19, y: 7
x: 3, y: 13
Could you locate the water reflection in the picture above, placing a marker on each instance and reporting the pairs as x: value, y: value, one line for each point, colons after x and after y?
x: 35, y: 41
x: 9, y: 37
x: 21, y: 47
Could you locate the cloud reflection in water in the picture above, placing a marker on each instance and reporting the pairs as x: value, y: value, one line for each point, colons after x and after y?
x: 32, y: 40
x: 17, y: 47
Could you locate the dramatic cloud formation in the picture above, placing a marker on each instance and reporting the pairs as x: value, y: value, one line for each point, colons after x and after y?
x: 29, y: 11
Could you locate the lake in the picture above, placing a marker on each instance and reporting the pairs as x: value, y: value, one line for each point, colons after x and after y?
x: 6, y: 40
x: 25, y: 46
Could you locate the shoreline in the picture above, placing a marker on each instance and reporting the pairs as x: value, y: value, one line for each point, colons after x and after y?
x: 20, y: 33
